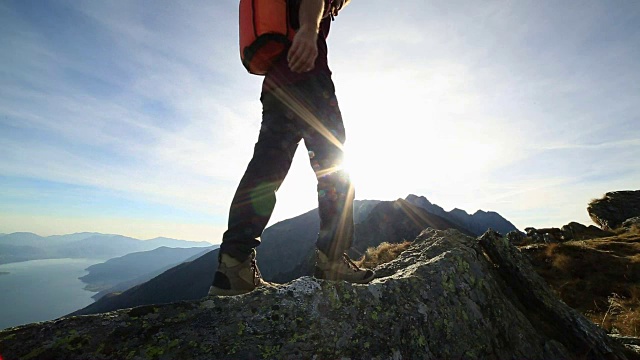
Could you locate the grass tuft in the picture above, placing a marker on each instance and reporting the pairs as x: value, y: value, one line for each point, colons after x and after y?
x: 382, y: 253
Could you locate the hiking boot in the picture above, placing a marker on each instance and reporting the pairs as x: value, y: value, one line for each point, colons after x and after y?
x: 235, y: 278
x: 341, y: 269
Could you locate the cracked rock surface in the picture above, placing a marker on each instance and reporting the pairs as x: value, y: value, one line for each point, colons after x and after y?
x: 446, y: 297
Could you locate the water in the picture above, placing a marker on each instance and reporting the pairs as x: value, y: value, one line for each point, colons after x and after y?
x: 40, y: 290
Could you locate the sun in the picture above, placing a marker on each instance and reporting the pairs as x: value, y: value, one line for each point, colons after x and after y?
x: 399, y: 141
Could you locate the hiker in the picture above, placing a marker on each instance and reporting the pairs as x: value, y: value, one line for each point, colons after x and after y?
x: 298, y: 102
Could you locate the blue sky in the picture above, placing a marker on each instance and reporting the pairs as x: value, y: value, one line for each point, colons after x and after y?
x: 137, y: 118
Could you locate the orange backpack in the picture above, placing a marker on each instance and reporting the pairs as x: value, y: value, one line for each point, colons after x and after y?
x: 265, y: 32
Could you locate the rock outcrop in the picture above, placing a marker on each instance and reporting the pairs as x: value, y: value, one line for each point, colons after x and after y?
x: 571, y: 231
x: 577, y: 231
x: 614, y: 208
x: 544, y: 235
x: 449, y: 296
x: 515, y: 237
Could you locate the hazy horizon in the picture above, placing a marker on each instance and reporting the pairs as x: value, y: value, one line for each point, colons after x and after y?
x: 193, y: 240
x: 97, y: 233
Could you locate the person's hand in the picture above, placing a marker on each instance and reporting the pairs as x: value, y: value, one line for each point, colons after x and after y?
x: 304, y: 50
x: 337, y: 5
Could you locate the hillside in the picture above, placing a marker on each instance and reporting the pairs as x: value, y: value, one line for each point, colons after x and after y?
x: 136, y: 265
x: 596, y: 271
x: 447, y: 296
x: 598, y: 277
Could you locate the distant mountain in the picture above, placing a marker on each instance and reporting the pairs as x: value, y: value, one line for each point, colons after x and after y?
x: 22, y: 239
x: 62, y: 239
x: 173, y: 243
x: 477, y: 223
x: 286, y: 243
x: 135, y: 265
x: 362, y: 209
x: 397, y: 221
x: 187, y: 281
x: 17, y: 253
x: 99, y: 247
x: 23, y: 246
x: 128, y: 284
x: 286, y: 252
x: 289, y: 241
x: 387, y: 221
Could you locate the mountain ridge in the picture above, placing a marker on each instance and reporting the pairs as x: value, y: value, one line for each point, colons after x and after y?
x: 135, y: 265
x: 19, y: 246
x: 477, y: 223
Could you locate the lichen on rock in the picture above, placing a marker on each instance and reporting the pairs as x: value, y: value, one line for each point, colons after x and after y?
x: 443, y: 298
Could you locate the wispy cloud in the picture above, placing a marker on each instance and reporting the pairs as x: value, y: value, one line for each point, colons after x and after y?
x: 525, y: 108
x: 184, y: 150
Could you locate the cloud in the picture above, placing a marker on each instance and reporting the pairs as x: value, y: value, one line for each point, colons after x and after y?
x: 507, y: 107
x: 169, y: 129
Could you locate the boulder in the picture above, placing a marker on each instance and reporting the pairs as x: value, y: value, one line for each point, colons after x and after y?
x: 546, y: 235
x: 515, y: 237
x: 571, y: 231
x: 614, y: 208
x: 577, y: 231
x: 449, y: 296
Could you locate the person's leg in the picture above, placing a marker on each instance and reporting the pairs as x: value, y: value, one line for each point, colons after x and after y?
x: 324, y: 137
x: 255, y: 197
x: 254, y: 201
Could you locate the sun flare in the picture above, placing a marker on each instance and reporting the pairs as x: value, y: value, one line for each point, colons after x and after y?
x: 398, y: 142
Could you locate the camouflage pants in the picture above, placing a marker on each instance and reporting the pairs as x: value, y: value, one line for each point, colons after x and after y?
x: 306, y: 111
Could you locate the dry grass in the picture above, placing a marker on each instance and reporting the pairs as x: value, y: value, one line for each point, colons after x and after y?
x: 633, y: 230
x: 622, y: 315
x: 550, y: 249
x: 383, y: 253
x: 598, y: 277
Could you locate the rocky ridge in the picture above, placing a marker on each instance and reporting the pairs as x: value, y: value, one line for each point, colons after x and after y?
x: 570, y: 231
x: 448, y: 296
x: 477, y: 223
